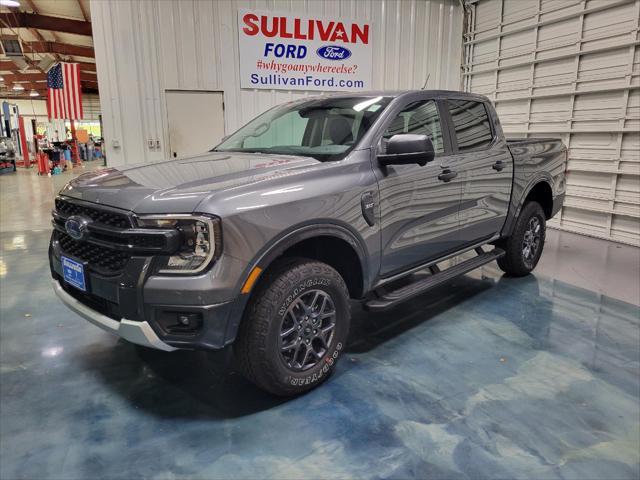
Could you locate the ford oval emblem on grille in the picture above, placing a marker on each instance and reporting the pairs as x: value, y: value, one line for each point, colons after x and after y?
x: 77, y: 227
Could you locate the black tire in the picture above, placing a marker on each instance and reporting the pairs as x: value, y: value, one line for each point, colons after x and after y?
x: 520, y: 260
x: 283, y: 301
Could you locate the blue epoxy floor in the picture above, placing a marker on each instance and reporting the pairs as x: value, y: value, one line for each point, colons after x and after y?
x: 487, y: 377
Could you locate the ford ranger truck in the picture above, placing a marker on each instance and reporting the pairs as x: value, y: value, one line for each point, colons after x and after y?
x: 261, y: 242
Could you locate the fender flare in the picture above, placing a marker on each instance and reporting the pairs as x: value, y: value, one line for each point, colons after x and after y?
x: 285, y: 240
x: 516, y: 208
x: 301, y: 232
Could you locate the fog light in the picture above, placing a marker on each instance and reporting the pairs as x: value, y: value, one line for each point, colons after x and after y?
x: 179, y: 323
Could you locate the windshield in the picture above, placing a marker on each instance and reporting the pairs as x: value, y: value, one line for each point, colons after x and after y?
x: 325, y: 129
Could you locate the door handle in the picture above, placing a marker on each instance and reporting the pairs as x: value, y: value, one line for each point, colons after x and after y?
x: 447, y: 175
x: 498, y: 166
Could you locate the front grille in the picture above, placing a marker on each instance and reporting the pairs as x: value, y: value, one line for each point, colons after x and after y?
x: 137, y: 241
x: 101, y: 259
x: 115, y: 222
x: 98, y: 215
x: 147, y: 241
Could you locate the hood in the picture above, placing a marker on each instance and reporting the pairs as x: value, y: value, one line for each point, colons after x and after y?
x: 179, y: 185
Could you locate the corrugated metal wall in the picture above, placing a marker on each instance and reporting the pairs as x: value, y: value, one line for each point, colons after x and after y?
x: 569, y: 68
x: 91, y: 106
x: 145, y: 47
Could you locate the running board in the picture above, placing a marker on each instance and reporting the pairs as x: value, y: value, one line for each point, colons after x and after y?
x: 395, y: 297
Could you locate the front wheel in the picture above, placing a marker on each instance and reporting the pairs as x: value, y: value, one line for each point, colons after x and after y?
x: 524, y: 247
x: 295, y: 327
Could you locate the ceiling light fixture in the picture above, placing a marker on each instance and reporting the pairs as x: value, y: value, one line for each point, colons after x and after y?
x: 34, y: 93
x: 17, y: 87
x: 10, y: 3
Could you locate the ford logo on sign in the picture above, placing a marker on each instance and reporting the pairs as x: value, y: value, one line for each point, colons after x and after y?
x: 333, y: 52
x: 76, y: 227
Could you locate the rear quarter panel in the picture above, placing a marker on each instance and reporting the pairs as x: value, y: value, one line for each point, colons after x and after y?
x: 535, y: 161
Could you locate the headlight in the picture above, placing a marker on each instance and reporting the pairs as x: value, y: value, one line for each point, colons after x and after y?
x: 201, y: 241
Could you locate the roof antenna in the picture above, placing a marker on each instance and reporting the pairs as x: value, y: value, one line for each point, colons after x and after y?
x: 425, y: 82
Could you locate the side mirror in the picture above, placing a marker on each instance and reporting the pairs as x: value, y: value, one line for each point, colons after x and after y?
x: 407, y: 149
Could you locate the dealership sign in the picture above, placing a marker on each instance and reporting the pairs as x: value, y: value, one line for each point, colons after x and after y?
x: 290, y: 52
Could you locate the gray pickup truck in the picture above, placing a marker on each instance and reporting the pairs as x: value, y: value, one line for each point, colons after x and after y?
x: 261, y: 242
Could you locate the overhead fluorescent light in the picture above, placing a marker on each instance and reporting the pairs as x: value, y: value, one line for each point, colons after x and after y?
x: 17, y: 87
x: 10, y: 3
x: 34, y: 93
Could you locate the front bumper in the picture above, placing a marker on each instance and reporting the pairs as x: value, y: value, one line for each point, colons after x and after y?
x: 136, y: 332
x: 142, y: 307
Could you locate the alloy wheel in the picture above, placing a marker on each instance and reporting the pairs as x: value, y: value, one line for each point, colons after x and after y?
x: 307, y: 330
x: 531, y: 242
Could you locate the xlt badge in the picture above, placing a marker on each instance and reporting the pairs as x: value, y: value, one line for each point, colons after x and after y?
x: 368, y: 208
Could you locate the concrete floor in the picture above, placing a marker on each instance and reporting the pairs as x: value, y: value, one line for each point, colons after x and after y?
x: 486, y: 377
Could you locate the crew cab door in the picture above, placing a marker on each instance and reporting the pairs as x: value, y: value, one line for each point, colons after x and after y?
x: 418, y: 204
x: 485, y: 165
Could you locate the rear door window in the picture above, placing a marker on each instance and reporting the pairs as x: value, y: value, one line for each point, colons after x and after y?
x: 471, y: 124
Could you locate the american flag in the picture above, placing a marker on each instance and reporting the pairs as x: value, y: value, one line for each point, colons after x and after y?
x: 64, y: 98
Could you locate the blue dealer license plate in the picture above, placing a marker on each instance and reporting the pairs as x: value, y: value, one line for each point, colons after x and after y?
x: 73, y: 273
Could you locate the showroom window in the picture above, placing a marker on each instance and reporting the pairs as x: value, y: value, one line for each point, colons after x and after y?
x: 471, y: 124
x: 419, y: 118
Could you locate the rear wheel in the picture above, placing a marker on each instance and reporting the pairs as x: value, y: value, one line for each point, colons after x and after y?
x: 524, y: 247
x: 295, y: 328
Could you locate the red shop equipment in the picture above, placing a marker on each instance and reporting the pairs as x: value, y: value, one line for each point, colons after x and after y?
x: 23, y: 144
x: 75, y: 155
x: 43, y: 163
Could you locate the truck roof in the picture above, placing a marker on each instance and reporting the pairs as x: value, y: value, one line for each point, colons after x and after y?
x: 401, y: 93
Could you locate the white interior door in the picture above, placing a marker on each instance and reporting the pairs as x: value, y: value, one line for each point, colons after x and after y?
x: 196, y: 121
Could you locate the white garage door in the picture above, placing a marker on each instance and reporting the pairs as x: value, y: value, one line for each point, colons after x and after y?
x: 568, y: 68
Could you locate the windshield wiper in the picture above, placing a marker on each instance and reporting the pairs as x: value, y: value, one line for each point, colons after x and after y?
x: 270, y: 151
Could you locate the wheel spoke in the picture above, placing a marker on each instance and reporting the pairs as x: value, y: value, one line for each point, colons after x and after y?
x: 306, y: 355
x: 324, y: 303
x: 298, y: 303
x: 326, y: 333
x: 296, y: 352
x: 289, y: 346
x: 315, y: 299
x: 293, y: 317
x: 288, y: 332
